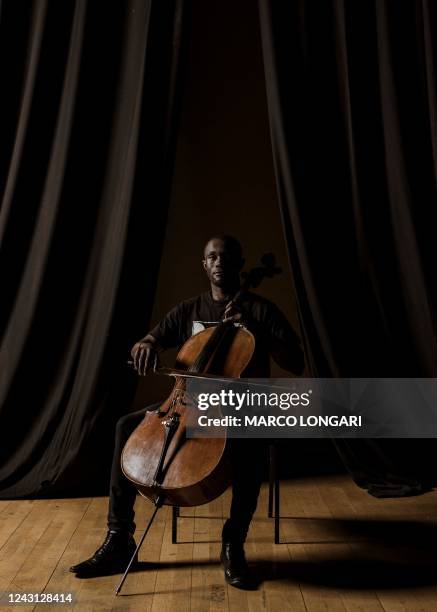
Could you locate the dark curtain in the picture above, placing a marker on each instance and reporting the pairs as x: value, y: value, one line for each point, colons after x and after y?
x: 90, y: 97
x: 351, y: 92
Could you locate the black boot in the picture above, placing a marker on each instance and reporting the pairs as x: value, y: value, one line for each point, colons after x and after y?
x: 237, y: 572
x: 112, y: 556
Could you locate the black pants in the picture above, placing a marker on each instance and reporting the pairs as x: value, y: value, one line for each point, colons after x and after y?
x: 248, y: 460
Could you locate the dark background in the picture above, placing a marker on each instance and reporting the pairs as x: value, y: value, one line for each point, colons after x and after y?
x: 224, y: 182
x: 132, y: 133
x: 224, y: 178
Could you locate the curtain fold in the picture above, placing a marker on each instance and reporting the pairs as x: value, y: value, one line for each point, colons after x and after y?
x: 351, y: 98
x: 90, y: 138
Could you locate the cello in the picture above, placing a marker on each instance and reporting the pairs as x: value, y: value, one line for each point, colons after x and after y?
x: 167, y: 467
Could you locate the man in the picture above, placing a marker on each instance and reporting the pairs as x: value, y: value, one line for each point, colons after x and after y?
x: 274, y: 336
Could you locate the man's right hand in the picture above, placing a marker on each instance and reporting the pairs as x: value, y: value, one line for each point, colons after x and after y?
x: 145, y: 357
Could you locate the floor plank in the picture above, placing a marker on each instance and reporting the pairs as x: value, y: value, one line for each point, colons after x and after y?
x: 341, y: 550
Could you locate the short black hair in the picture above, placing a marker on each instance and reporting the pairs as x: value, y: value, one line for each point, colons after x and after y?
x: 231, y: 241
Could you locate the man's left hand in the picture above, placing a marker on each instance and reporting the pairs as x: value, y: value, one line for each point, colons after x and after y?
x: 233, y: 313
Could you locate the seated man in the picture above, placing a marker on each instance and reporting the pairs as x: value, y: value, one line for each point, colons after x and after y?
x: 274, y: 336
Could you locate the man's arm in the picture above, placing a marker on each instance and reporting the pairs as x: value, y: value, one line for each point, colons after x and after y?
x: 145, y: 355
x: 166, y: 334
x: 289, y: 357
x: 284, y: 343
x: 282, y: 340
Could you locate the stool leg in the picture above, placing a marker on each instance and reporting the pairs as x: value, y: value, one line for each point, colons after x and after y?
x: 174, y: 524
x: 272, y: 473
x: 274, y: 492
x: 277, y: 512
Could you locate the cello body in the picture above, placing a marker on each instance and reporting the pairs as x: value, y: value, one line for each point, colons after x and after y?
x: 165, y: 465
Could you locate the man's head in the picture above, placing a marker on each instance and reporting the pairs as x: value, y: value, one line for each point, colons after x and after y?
x: 222, y: 261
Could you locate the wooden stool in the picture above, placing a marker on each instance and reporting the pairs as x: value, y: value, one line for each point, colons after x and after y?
x: 273, y: 504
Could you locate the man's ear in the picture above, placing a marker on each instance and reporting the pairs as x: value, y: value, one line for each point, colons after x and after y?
x: 204, y: 264
x: 242, y: 262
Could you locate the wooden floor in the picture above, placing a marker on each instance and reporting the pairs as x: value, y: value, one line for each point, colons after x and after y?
x: 342, y: 550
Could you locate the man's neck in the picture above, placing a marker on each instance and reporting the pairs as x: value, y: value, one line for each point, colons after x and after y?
x: 219, y: 294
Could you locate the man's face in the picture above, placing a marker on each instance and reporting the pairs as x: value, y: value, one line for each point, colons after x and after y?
x: 222, y: 264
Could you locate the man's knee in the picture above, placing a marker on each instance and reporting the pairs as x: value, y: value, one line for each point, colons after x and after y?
x: 126, y: 425
x: 129, y: 422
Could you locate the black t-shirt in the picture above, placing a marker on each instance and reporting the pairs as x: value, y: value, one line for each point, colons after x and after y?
x: 273, y: 333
